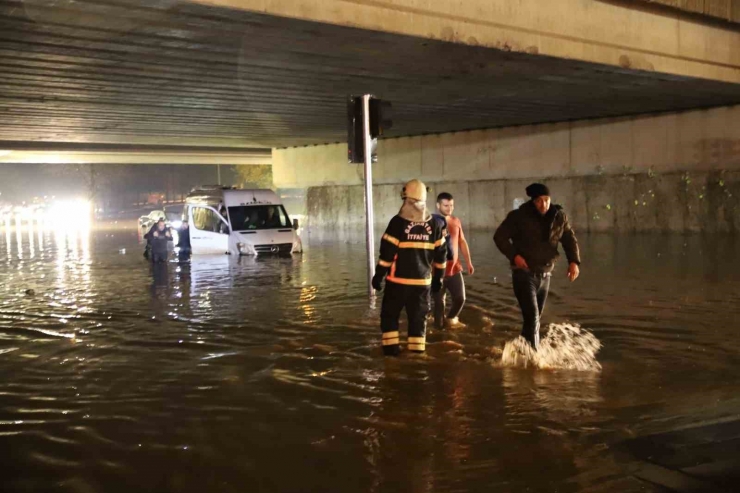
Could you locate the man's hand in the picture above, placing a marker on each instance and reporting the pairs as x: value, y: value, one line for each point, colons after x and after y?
x: 168, y: 235
x: 573, y: 271
x: 436, y: 285
x: 471, y: 269
x: 520, y: 263
x: 378, y: 282
x: 156, y: 234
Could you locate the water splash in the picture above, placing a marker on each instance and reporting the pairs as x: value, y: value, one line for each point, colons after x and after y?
x: 564, y: 347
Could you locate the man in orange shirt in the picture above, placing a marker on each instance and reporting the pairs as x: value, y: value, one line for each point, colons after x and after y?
x: 453, y: 281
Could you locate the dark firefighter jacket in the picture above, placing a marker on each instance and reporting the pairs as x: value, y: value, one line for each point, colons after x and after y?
x: 409, y: 249
x: 535, y: 237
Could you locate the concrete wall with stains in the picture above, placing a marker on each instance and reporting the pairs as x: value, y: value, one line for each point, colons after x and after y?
x: 672, y: 172
x: 637, y: 202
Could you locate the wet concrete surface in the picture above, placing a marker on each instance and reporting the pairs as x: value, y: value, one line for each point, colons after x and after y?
x: 243, y: 374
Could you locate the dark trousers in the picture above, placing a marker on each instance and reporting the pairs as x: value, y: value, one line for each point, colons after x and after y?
x: 158, y: 251
x: 159, y: 257
x: 456, y: 286
x: 415, y: 299
x: 531, y: 293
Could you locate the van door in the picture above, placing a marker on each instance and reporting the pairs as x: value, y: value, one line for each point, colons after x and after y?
x: 209, y: 231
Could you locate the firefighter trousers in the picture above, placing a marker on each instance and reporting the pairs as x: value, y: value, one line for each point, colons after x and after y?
x: 416, y: 300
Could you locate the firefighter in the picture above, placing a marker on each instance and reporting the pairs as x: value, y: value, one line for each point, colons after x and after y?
x: 412, y: 245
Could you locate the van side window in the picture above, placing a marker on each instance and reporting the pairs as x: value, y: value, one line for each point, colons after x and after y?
x: 200, y: 221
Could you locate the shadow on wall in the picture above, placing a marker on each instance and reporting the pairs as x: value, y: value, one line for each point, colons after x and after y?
x: 671, y: 202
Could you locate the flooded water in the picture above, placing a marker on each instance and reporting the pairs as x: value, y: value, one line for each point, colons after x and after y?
x: 265, y: 374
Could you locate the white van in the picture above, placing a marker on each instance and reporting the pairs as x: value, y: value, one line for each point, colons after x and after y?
x: 245, y: 222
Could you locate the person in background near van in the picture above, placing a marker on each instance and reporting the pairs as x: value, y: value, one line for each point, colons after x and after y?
x: 222, y: 227
x: 148, y: 237
x: 254, y: 220
x: 160, y: 236
x: 411, y: 245
x: 529, y: 238
x: 183, y: 242
x: 272, y: 220
x: 454, y: 282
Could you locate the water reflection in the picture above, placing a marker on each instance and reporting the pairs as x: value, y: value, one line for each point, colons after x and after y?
x: 40, y: 232
x: 8, y: 244
x: 19, y: 239
x: 31, y: 242
x: 557, y: 398
x: 251, y: 367
x: 160, y: 280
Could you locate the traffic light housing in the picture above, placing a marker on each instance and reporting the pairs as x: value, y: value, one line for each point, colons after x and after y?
x: 380, y: 120
x: 355, y: 147
x: 381, y: 117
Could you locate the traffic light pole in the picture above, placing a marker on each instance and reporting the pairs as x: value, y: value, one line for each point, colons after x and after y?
x: 369, y: 219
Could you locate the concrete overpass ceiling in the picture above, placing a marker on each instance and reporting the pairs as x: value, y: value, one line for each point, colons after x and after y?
x: 168, y: 72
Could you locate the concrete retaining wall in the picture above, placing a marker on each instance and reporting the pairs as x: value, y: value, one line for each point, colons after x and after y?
x: 679, y: 202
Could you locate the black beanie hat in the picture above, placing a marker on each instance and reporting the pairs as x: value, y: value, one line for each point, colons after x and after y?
x: 537, y: 189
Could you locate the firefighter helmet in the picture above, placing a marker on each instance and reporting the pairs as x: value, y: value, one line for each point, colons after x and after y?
x: 416, y: 190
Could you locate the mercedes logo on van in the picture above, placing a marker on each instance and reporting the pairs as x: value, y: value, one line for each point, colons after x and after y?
x: 275, y: 249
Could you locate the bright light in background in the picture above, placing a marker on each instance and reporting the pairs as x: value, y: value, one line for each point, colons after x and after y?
x: 67, y: 215
x: 72, y: 214
x: 5, y: 153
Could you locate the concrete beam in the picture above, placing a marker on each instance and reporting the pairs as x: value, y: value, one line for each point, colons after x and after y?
x: 23, y: 153
x: 593, y: 31
x: 153, y: 72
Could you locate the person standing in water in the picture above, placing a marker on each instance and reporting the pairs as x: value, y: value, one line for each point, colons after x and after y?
x: 413, y: 257
x: 529, y: 238
x: 160, y: 236
x: 183, y: 236
x: 453, y: 281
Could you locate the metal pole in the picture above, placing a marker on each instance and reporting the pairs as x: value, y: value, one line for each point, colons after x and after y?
x: 218, y: 170
x: 369, y: 234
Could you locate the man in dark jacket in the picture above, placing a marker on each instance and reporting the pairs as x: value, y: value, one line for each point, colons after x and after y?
x: 183, y: 243
x: 148, y: 238
x: 529, y: 238
x: 159, y: 236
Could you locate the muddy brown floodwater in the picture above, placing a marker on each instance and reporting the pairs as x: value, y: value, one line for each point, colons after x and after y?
x: 251, y: 375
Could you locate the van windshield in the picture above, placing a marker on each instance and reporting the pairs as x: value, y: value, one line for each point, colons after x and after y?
x: 251, y: 217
